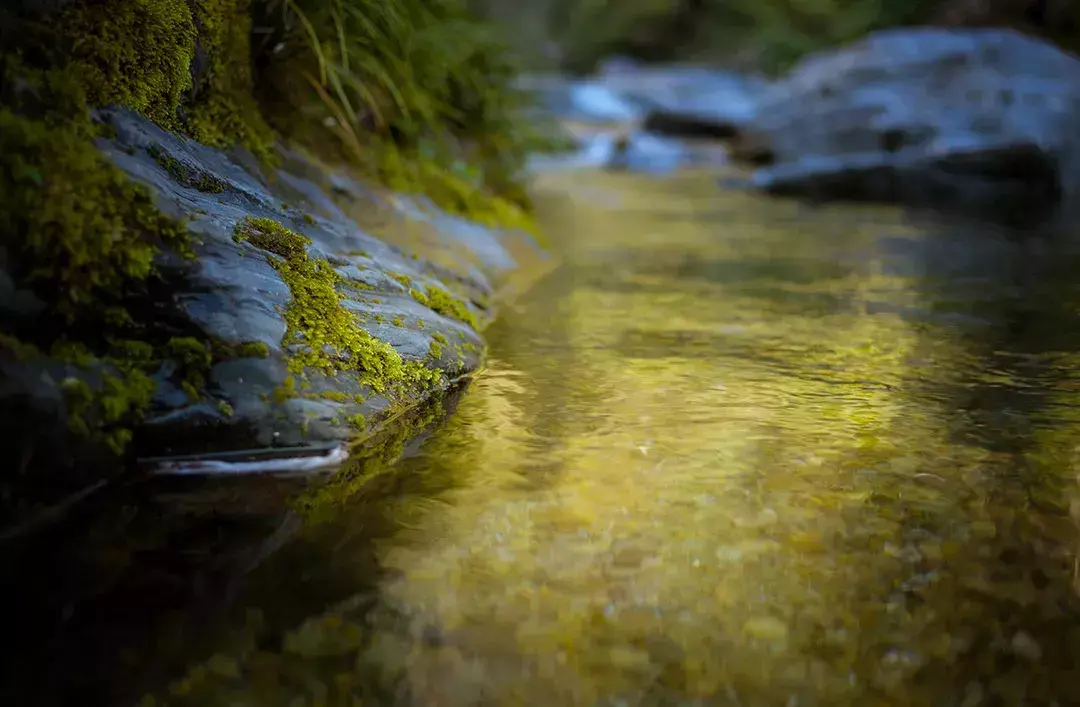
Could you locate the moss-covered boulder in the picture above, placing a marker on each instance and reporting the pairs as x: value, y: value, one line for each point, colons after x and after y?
x: 180, y: 275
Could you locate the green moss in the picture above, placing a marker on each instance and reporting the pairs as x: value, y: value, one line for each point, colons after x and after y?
x: 270, y: 235
x: 225, y: 409
x: 253, y: 349
x: 134, y: 53
x: 194, y: 360
x: 190, y: 353
x: 435, y: 350
x: 286, y: 391
x: 223, y: 111
x: 185, y: 174
x: 419, y: 296
x: 473, y: 197
x: 442, y: 302
x: 357, y: 285
x: 18, y: 349
x: 358, y: 422
x: 440, y: 337
x: 134, y: 351
x: 404, y: 280
x: 399, y: 321
x: 335, y: 395
x: 85, y: 234
x: 105, y: 412
x: 324, y: 336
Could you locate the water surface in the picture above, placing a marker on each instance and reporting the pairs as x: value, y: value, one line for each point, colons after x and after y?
x: 733, y: 451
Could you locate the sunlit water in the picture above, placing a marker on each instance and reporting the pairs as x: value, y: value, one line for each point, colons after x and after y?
x: 734, y: 451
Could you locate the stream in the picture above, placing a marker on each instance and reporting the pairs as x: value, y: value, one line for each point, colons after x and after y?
x: 731, y: 451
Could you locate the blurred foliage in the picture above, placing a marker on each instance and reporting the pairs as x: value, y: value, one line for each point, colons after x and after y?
x: 419, y: 92
x: 762, y: 34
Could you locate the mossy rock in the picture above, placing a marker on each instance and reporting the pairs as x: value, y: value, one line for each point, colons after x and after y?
x: 265, y: 338
x: 179, y: 306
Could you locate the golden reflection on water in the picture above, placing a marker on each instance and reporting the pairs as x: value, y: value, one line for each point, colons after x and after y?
x: 726, y: 454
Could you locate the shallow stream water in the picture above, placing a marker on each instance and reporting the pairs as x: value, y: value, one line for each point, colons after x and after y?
x: 732, y: 451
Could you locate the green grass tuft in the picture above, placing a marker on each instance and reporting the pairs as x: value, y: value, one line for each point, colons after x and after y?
x: 418, y: 93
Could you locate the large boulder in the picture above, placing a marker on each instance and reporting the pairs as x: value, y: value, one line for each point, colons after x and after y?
x: 923, y: 114
x: 389, y: 292
x: 691, y: 101
x: 633, y: 117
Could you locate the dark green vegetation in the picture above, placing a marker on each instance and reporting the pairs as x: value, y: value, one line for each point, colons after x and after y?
x: 418, y: 93
x: 767, y: 34
x: 185, y: 174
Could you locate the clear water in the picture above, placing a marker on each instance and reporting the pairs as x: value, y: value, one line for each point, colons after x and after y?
x: 733, y: 451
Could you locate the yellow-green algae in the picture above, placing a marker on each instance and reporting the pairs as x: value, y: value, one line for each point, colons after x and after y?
x: 321, y: 333
x: 435, y: 350
x: 442, y: 302
x: 252, y: 349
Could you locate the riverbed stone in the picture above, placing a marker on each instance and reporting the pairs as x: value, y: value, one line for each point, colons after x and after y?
x: 636, y: 118
x: 904, y: 114
x: 692, y: 101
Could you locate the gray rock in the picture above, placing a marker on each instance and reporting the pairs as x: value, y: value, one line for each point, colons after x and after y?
x: 590, y: 101
x: 231, y: 295
x: 715, y: 100
x: 981, y: 112
x: 692, y: 101
x: 642, y: 110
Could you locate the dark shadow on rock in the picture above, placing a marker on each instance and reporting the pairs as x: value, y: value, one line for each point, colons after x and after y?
x: 664, y: 122
x: 1017, y: 186
x: 126, y: 591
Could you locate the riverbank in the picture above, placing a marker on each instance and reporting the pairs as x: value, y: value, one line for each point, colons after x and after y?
x: 233, y: 228
x: 734, y: 447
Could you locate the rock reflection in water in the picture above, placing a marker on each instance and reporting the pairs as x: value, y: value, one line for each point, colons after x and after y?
x: 735, y: 451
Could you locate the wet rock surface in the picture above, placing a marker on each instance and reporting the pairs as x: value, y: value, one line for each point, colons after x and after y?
x: 692, y: 101
x: 931, y: 116
x: 655, y: 116
x: 963, y: 115
x: 232, y: 296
